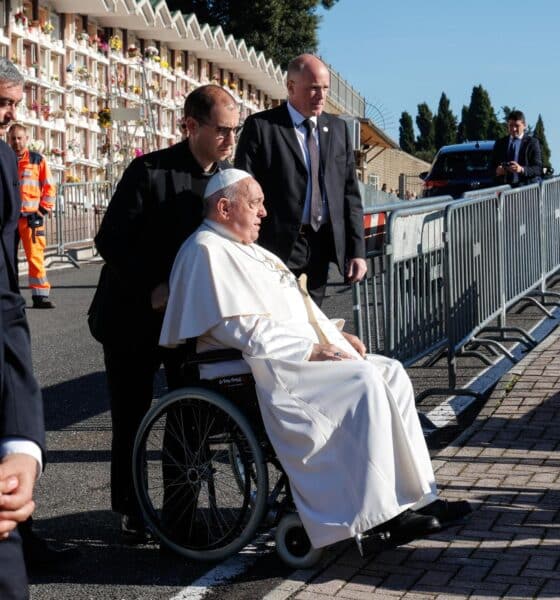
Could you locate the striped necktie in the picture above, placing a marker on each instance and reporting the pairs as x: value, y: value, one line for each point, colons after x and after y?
x: 316, y: 199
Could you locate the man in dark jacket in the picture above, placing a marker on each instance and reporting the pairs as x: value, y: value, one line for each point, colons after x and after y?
x: 22, y: 430
x: 156, y: 206
x: 517, y: 157
x: 303, y: 159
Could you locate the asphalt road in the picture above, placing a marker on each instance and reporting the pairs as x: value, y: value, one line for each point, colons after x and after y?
x: 73, y: 494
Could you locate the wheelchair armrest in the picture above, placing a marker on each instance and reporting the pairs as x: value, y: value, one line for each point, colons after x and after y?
x: 213, y: 356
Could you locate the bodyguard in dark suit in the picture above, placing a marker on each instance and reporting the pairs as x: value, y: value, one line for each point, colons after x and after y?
x: 22, y: 433
x: 517, y: 157
x: 304, y: 162
x: 156, y: 206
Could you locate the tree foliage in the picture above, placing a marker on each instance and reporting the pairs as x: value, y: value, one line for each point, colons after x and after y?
x: 425, y: 123
x: 445, y: 124
x: 540, y: 135
x: 481, y: 122
x: 462, y: 128
x: 406, y: 133
x: 282, y: 29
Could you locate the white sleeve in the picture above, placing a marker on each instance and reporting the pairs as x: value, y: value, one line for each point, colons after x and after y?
x: 15, y: 445
x: 260, y: 337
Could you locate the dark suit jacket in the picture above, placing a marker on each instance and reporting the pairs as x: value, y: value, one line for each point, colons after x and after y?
x: 155, y: 207
x: 269, y: 150
x: 530, y: 159
x: 21, y: 406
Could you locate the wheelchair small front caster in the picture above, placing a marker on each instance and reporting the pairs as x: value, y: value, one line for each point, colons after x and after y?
x: 293, y: 545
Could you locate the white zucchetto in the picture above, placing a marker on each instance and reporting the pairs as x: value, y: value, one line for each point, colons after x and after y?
x: 223, y: 179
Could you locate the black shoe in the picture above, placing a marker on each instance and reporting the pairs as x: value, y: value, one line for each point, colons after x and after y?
x: 134, y: 530
x: 371, y: 542
x: 38, y: 553
x: 410, y: 525
x: 42, y: 302
x: 447, y: 512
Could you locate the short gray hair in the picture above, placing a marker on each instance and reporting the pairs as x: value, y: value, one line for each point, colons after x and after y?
x: 229, y: 193
x: 10, y: 73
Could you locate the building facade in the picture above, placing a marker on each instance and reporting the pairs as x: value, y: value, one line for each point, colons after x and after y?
x: 105, y: 80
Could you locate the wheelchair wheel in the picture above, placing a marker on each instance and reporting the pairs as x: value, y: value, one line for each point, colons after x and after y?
x: 196, y: 499
x: 293, y: 545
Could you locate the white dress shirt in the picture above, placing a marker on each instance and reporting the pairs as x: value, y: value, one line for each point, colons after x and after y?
x: 301, y: 133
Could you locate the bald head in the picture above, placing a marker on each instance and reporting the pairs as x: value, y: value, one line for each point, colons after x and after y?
x: 200, y: 102
x: 308, y: 84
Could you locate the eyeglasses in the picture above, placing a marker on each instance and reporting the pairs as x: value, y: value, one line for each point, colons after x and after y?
x: 223, y: 132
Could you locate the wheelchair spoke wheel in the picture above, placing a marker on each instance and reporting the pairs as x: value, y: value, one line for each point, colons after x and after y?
x: 198, y: 499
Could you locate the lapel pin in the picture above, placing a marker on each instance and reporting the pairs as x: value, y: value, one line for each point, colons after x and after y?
x: 325, y: 129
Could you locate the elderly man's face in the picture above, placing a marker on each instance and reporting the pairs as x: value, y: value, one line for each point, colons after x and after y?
x: 10, y: 97
x: 246, y: 213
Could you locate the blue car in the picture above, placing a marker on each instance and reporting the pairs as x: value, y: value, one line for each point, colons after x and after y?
x: 459, y: 168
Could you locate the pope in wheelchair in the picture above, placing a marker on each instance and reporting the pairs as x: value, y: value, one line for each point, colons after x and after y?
x: 344, y: 455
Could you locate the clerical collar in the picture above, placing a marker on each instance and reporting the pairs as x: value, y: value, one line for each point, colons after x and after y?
x: 196, y: 168
x: 219, y: 228
x: 298, y: 118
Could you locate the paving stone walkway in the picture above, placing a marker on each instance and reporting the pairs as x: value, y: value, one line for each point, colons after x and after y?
x: 508, y: 465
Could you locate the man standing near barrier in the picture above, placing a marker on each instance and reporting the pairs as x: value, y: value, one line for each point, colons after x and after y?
x: 304, y: 161
x: 156, y: 206
x: 517, y: 157
x: 37, y: 191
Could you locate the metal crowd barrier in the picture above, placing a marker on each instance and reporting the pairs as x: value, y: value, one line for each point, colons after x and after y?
x: 550, y: 247
x: 415, y: 319
x: 442, y: 271
x: 371, y: 296
x: 76, y: 217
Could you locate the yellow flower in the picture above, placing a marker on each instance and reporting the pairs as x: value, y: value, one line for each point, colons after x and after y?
x: 115, y: 43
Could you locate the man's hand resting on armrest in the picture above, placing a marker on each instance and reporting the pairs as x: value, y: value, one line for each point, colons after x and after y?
x: 356, y: 343
x: 329, y: 352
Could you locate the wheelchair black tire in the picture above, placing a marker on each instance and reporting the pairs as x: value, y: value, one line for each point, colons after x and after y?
x: 249, y: 509
x: 293, y: 545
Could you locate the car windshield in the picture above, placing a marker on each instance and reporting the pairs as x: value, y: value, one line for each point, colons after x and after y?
x: 454, y: 165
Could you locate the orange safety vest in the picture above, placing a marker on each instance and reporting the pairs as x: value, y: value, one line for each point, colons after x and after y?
x: 37, y: 187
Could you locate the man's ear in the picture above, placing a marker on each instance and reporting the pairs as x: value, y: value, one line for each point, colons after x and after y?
x: 190, y: 124
x: 290, y: 86
x: 223, y: 208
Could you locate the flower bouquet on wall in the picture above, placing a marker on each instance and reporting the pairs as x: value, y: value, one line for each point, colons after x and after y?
x: 151, y: 52
x: 20, y: 19
x: 104, y: 118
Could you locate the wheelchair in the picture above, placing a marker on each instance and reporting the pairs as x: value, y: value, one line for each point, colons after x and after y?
x: 205, y: 474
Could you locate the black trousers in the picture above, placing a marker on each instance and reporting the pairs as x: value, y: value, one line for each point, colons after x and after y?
x: 13, y: 577
x: 312, y: 253
x: 130, y: 377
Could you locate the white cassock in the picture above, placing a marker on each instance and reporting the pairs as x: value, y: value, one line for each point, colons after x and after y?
x: 346, y: 432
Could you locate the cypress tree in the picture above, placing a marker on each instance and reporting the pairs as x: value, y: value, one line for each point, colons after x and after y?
x: 445, y: 124
x: 425, y: 145
x: 406, y: 133
x: 540, y: 135
x: 482, y: 123
x: 462, y: 129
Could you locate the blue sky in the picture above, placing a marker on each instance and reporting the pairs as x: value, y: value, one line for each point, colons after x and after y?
x: 401, y: 53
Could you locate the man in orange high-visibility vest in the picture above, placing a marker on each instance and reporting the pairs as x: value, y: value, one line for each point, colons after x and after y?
x: 37, y: 192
